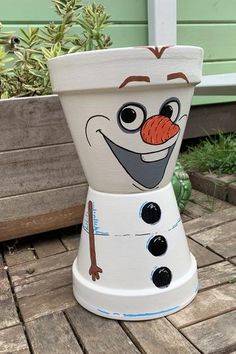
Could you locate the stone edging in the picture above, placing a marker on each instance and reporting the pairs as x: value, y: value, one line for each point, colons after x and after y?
x: 223, y: 187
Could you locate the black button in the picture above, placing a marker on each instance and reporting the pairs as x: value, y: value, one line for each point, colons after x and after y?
x: 151, y: 213
x: 157, y: 245
x: 162, y: 277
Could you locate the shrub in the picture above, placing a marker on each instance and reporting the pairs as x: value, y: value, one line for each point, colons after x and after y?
x: 23, y: 61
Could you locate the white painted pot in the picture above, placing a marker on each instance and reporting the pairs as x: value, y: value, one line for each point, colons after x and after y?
x: 127, y: 110
x: 115, y: 102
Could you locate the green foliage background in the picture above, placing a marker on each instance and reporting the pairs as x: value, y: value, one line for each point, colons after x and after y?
x: 23, y: 60
x: 214, y: 154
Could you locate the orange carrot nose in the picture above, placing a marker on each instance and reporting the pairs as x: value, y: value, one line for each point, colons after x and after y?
x: 158, y: 129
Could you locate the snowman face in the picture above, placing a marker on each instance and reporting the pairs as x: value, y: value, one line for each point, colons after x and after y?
x: 140, y: 134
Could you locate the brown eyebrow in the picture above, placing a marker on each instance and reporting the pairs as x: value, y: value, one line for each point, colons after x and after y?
x: 134, y: 78
x: 158, y: 52
x: 178, y: 75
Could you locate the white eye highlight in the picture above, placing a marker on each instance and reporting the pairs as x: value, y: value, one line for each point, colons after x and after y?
x: 131, y: 116
x: 171, y: 108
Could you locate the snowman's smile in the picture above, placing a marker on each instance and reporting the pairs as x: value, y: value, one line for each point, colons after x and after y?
x: 147, y: 169
x: 154, y: 156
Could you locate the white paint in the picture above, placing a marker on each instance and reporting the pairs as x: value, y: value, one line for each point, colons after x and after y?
x: 125, y: 285
x: 162, y: 27
x: 213, y: 85
x: 111, y: 149
x: 162, y: 22
x: 154, y: 156
x: 88, y: 86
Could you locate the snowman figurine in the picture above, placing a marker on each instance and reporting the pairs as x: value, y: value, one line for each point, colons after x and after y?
x: 127, y: 110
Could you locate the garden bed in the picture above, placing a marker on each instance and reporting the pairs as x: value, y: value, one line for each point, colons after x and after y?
x: 221, y: 187
x: 42, y: 183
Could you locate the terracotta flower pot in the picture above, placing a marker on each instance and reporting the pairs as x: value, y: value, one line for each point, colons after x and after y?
x: 127, y: 110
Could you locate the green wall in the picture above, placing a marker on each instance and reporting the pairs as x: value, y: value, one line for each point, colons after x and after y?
x: 210, y: 24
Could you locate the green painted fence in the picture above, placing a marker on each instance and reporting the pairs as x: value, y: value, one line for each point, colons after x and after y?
x: 210, y: 24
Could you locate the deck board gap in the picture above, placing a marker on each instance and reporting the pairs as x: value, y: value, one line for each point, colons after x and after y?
x: 17, y: 307
x: 218, y: 254
x: 208, y: 248
x: 33, y: 249
x: 36, y: 147
x: 206, y: 318
x: 83, y: 183
x: 187, y: 339
x: 209, y: 227
x: 133, y: 339
x: 214, y: 286
x: 47, y: 292
x: 216, y: 262
x: 75, y: 334
x: 39, y: 147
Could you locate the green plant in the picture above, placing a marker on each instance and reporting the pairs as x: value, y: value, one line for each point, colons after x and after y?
x: 27, y: 74
x: 214, y: 154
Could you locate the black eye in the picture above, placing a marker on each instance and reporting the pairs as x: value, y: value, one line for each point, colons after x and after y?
x: 131, y: 116
x: 128, y: 115
x: 170, y: 108
x: 167, y: 111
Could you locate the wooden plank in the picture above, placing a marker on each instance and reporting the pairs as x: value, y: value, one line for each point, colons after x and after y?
x: 48, y: 246
x: 208, y: 36
x: 216, y: 335
x: 37, y: 169
x: 185, y: 217
x: 216, y: 67
x: 232, y: 193
x: 216, y: 274
x: 33, y: 307
x: 210, y: 11
x: 134, y: 10
x: 122, y: 11
x: 8, y: 312
x: 219, y: 67
x: 210, y: 183
x: 41, y: 223
x: 221, y: 239
x: 207, y: 304
x: 24, y: 271
x: 159, y: 336
x: 71, y: 242
x: 43, y: 283
x: 210, y: 119
x: 35, y: 121
x: 17, y: 252
x: 203, y: 255
x: 208, y: 221
x: 38, y: 203
x: 207, y: 201
x: 123, y: 35
x: 98, y: 334
x: 52, y: 334
x: 13, y: 341
x: 34, y: 13
x: 233, y: 260
x: 194, y: 210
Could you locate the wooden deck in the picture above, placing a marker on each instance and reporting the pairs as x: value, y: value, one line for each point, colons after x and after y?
x: 38, y: 313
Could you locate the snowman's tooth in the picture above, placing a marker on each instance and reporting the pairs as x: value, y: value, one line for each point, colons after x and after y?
x: 154, y: 156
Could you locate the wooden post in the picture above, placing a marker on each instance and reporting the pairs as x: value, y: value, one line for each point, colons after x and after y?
x: 162, y: 22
